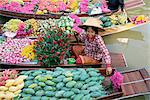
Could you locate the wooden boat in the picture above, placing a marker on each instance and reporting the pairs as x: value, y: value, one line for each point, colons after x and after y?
x: 101, y: 70
x: 121, y: 28
x: 118, y: 60
x: 129, y: 4
x: 136, y: 83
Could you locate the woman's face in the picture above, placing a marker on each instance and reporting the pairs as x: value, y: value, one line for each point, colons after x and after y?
x: 90, y: 32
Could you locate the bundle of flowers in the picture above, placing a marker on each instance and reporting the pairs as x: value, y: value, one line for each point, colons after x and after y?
x: 117, y: 80
x: 12, y: 25
x: 10, y: 51
x: 23, y: 30
x: 52, y: 47
x: 34, y: 25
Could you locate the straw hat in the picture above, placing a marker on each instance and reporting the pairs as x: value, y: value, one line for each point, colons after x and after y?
x: 93, y: 22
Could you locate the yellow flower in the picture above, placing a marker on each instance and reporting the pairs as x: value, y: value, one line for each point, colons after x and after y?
x: 28, y: 53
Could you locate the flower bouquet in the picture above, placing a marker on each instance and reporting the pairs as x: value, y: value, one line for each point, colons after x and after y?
x: 52, y: 47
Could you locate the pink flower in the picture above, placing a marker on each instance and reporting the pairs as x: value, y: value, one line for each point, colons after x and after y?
x: 77, y: 29
x: 117, y: 80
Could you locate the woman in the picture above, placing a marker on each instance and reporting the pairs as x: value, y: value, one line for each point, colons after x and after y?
x: 95, y: 50
x: 113, y: 5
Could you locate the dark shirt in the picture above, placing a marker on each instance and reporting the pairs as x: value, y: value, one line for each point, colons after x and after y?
x: 115, y: 4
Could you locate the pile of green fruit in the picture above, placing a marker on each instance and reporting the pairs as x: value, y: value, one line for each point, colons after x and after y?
x: 62, y: 84
x: 106, y: 21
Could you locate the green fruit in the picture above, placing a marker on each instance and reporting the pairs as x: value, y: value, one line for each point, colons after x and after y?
x: 104, y: 19
x: 50, y: 93
x: 32, y: 86
x: 42, y: 79
x: 39, y: 93
x: 50, y: 83
x: 70, y: 84
x: 48, y: 88
x: 42, y: 84
x: 28, y: 91
x: 45, y: 98
x: 68, y: 94
x: 107, y: 24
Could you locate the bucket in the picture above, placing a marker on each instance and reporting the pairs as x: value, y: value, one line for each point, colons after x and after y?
x: 71, y: 61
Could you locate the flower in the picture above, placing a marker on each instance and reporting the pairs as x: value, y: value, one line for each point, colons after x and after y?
x: 117, y: 80
x: 54, y: 42
x: 48, y: 36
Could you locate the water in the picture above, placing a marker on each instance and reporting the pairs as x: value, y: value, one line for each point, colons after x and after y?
x: 134, y: 43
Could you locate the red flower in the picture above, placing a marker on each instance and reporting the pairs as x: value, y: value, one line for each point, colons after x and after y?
x: 52, y: 51
x: 39, y: 58
x: 59, y: 34
x: 60, y: 40
x: 63, y: 53
x: 34, y: 51
x: 40, y: 63
x: 57, y: 53
x: 40, y: 39
x: 61, y: 44
x: 48, y: 36
x: 69, y: 35
x: 66, y: 44
x: 61, y: 57
x: 54, y: 42
x: 45, y: 56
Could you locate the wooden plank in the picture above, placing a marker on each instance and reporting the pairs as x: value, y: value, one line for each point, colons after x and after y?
x: 140, y: 87
x: 132, y: 76
x: 146, y: 76
x: 144, y: 73
x: 126, y: 78
x: 148, y: 84
x: 127, y: 89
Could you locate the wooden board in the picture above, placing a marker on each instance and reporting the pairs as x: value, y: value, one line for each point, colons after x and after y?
x: 120, y: 28
x: 136, y: 82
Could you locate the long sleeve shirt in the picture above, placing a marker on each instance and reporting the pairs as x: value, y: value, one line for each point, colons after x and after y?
x: 115, y: 4
x: 96, y: 49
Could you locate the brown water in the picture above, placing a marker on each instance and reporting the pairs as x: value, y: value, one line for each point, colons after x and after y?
x: 134, y: 43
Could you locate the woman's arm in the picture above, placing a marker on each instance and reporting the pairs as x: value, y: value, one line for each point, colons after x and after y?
x: 105, y: 53
x: 121, y: 3
x: 82, y: 36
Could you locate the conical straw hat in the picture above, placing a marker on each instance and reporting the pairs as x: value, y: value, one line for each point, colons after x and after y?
x: 93, y: 22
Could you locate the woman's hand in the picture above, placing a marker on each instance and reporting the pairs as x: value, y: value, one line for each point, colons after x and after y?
x: 108, y: 70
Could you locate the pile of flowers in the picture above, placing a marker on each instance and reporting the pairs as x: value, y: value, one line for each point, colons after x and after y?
x: 139, y: 19
x: 34, y: 25
x: 23, y: 30
x: 20, y: 28
x: 46, y: 6
x: 42, y: 6
x: 117, y: 80
x: 10, y: 50
x: 52, y: 47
